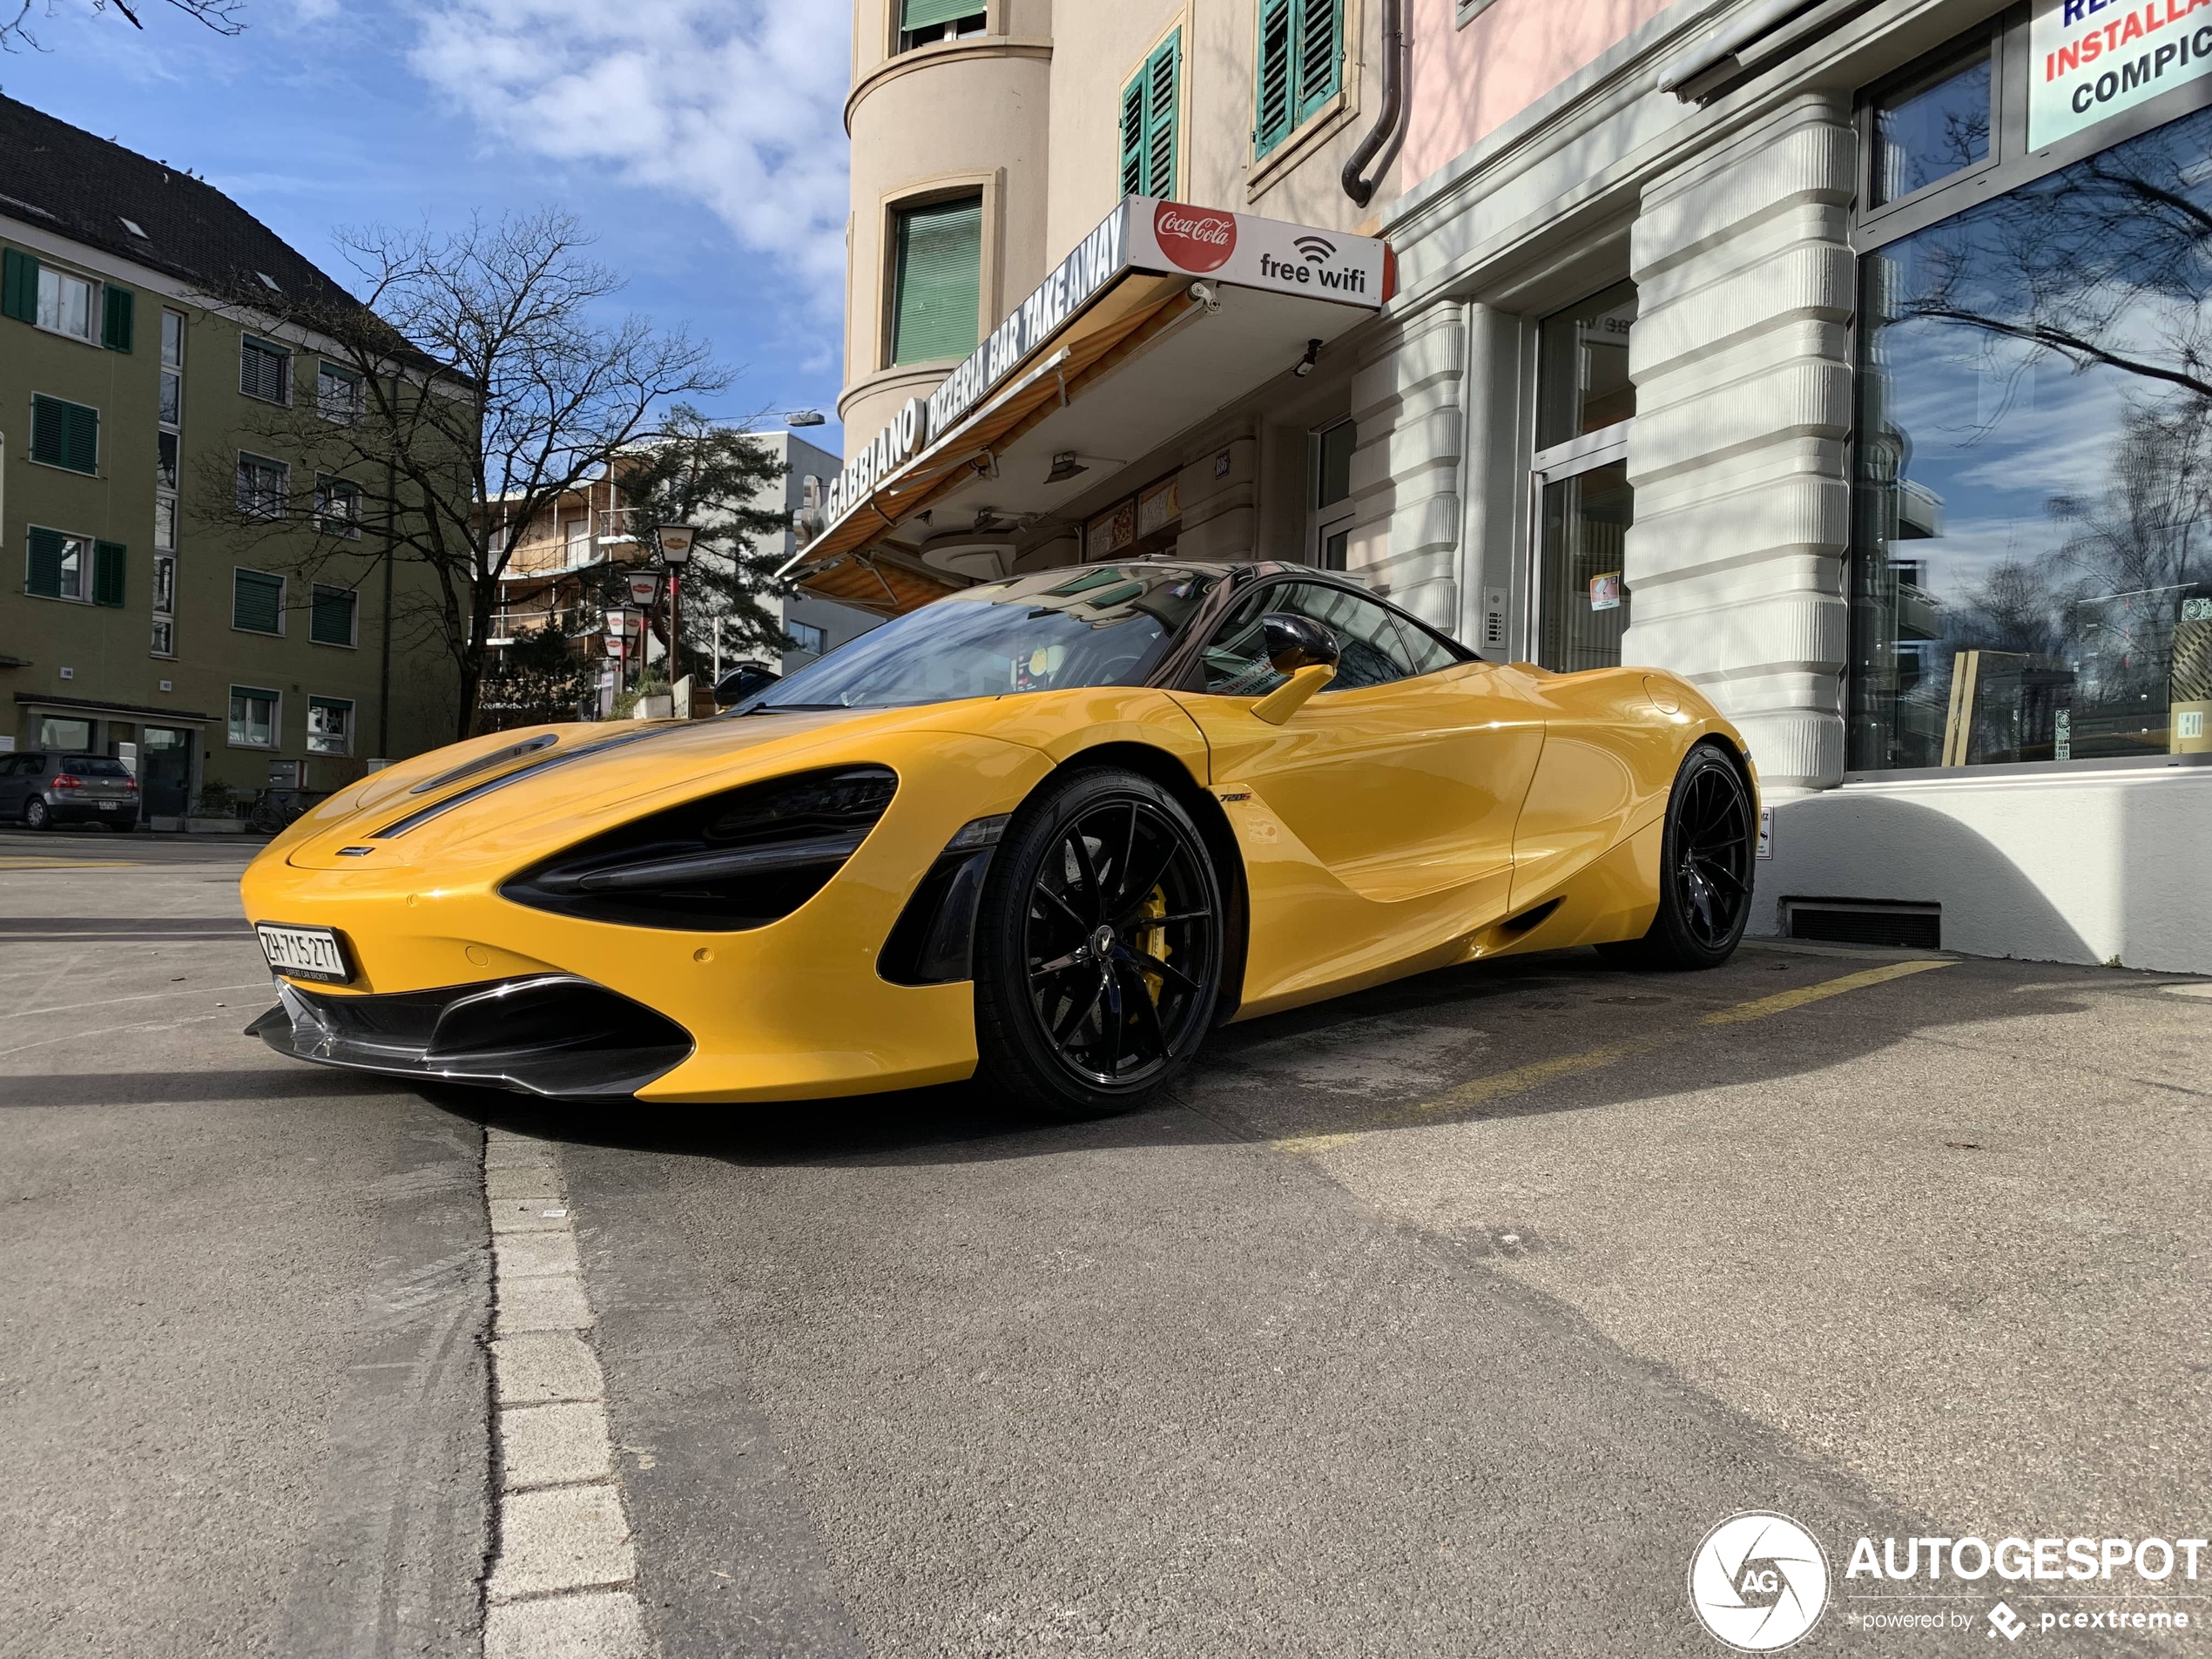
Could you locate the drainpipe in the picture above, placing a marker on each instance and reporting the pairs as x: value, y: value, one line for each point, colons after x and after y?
x: 1362, y: 190
x: 391, y: 552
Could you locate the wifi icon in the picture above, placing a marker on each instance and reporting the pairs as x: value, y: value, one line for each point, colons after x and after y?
x: 1319, y: 250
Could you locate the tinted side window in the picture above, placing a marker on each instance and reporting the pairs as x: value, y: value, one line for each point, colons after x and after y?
x: 1423, y: 649
x: 1372, y: 652
x: 1235, y: 658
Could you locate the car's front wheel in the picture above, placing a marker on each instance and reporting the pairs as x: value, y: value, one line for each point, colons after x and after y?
x: 1705, y: 864
x: 1098, y: 946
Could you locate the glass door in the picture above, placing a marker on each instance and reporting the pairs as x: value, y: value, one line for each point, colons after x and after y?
x: 1585, y: 407
x: 165, y: 770
x: 1328, y: 541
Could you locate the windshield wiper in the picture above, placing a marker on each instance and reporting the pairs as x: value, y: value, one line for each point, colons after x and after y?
x: 796, y: 708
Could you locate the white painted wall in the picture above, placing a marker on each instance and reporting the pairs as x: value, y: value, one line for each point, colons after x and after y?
x: 2077, y: 867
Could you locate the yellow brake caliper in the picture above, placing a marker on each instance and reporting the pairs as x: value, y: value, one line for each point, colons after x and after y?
x: 1156, y: 941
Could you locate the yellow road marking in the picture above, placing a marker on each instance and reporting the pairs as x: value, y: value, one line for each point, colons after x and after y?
x: 1783, y: 1001
x: 26, y: 866
x: 1480, y: 1091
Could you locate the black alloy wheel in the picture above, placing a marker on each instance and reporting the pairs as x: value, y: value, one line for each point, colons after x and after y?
x: 1705, y: 868
x: 1098, y: 946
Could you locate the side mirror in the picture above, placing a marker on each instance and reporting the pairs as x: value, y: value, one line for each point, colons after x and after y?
x: 1296, y: 642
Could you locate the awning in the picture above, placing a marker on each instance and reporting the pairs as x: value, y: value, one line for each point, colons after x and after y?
x: 1163, y: 315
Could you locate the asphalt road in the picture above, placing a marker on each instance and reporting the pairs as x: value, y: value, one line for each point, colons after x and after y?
x: 1444, y: 1320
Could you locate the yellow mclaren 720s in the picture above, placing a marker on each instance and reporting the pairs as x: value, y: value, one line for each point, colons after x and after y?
x: 1045, y: 833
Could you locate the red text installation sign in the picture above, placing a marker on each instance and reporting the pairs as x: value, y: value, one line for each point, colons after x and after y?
x: 2091, y: 59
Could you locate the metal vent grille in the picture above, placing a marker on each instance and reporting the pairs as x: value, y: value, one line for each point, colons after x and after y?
x: 1915, y: 926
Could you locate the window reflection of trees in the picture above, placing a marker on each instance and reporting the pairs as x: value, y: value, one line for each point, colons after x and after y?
x: 2098, y: 278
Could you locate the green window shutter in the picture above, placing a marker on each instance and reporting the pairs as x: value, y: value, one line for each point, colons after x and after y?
x: 331, y: 623
x: 1276, y: 96
x: 940, y: 280
x: 257, y: 602
x: 1321, y: 55
x: 1148, y: 110
x: 65, y: 435
x: 920, y: 14
x: 122, y: 306
x: 1162, y: 77
x: 45, y: 562
x: 107, y: 573
x: 1133, y: 138
x: 19, y: 285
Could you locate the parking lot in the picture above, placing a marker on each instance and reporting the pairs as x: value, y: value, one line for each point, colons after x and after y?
x: 1443, y: 1319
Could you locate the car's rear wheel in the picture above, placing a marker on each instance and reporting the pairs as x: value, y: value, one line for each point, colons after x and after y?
x: 36, y: 815
x: 1705, y: 868
x: 1098, y: 946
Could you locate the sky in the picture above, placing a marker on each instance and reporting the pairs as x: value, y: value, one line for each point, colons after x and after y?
x: 701, y: 141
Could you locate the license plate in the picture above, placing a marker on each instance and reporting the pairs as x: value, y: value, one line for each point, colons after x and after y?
x: 303, y: 952
x: 110, y: 805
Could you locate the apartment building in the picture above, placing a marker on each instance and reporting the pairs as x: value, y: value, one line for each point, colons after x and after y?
x: 125, y: 391
x: 1840, y: 355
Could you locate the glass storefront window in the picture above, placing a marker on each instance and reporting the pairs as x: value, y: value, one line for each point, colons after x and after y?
x: 1583, y: 366
x: 1935, y: 124
x: 2032, y: 579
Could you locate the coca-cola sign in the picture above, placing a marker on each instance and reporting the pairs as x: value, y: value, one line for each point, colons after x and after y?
x: 1197, y: 238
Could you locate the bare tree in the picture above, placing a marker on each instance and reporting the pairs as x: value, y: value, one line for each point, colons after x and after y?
x: 221, y: 16
x: 469, y: 386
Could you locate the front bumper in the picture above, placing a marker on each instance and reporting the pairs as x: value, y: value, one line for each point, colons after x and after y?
x: 543, y: 1034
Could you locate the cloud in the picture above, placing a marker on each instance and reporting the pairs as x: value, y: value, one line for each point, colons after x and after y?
x: 737, y: 106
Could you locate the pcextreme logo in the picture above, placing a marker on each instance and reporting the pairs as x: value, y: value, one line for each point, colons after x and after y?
x: 1758, y: 1582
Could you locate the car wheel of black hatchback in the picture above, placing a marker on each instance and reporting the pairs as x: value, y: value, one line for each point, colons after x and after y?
x: 1705, y: 869
x: 1098, y: 949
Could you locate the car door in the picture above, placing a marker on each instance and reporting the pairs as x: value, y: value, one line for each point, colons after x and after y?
x: 10, y: 790
x: 1381, y: 813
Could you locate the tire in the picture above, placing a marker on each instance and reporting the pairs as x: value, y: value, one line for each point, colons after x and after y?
x: 1098, y: 947
x: 1705, y: 870
x: 37, y: 815
x: 265, y: 819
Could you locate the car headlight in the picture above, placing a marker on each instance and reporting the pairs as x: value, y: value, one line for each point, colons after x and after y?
x: 742, y: 859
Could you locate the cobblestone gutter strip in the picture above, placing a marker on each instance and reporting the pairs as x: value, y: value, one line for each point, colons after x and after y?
x: 563, y: 1579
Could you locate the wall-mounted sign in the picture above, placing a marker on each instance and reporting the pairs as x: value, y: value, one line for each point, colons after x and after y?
x: 1605, y: 591
x: 1143, y: 234
x: 1161, y: 505
x: 1110, y: 532
x: 2094, y: 58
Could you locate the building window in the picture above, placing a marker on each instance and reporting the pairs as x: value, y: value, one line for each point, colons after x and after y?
x: 1301, y: 67
x: 1931, y: 125
x: 2032, y: 572
x: 263, y: 486
x: 338, y: 393
x: 806, y: 636
x: 65, y: 435
x: 257, y: 602
x: 165, y: 461
x: 330, y: 725
x: 338, y: 507
x: 1330, y: 467
x: 65, y: 303
x: 164, y: 582
x: 1150, y: 105
x: 937, y: 280
x: 254, y: 719
x: 168, y: 445
x: 164, y: 637
x: 923, y: 23
x: 263, y: 371
x: 331, y: 620
x: 58, y: 564
x: 58, y: 733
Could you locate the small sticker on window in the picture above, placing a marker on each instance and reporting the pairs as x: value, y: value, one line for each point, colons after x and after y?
x: 1605, y: 591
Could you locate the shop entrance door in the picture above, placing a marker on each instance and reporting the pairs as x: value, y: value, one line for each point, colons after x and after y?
x: 1584, y: 507
x: 165, y: 770
x: 1585, y: 407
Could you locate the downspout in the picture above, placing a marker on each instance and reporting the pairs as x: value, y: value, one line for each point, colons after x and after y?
x: 391, y: 509
x: 1362, y: 190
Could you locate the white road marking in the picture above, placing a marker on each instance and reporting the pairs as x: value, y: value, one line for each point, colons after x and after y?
x: 565, y: 1581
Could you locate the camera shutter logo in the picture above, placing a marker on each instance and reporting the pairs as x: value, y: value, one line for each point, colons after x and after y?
x: 1758, y: 1582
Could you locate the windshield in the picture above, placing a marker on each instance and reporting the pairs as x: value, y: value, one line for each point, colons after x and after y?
x: 1101, y: 624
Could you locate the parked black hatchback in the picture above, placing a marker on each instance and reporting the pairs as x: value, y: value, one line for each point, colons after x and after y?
x: 39, y: 790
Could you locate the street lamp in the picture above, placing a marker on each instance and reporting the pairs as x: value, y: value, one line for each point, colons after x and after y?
x: 623, y: 621
x: 675, y: 552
